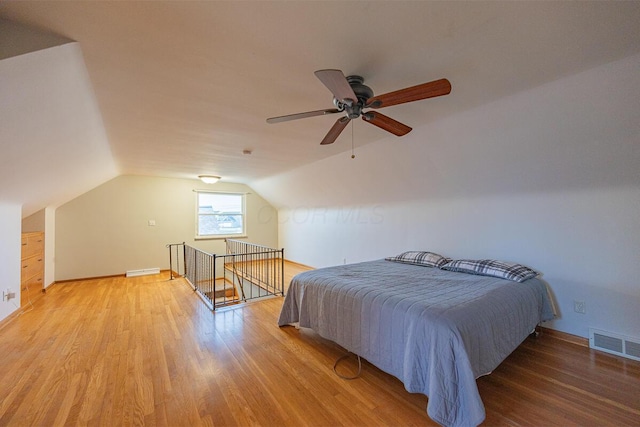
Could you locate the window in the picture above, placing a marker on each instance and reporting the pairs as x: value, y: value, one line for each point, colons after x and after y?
x: 220, y: 214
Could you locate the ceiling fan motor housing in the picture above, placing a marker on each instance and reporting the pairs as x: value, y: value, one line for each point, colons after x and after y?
x: 362, y: 92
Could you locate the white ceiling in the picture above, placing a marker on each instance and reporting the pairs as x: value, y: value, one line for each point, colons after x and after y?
x: 184, y: 87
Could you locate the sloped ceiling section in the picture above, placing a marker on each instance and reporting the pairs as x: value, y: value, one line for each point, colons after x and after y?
x: 18, y: 39
x: 53, y: 142
x: 578, y: 133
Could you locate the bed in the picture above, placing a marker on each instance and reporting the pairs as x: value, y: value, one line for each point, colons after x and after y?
x: 436, y: 330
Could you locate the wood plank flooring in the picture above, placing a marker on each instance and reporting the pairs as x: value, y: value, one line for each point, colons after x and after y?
x: 147, y: 351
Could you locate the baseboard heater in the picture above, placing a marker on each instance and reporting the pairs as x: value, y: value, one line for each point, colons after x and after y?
x: 615, y: 344
x: 142, y: 272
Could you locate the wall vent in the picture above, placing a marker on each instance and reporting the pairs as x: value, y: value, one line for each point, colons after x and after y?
x: 142, y: 272
x: 614, y: 344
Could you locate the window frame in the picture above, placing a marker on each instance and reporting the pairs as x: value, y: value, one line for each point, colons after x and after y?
x: 243, y: 214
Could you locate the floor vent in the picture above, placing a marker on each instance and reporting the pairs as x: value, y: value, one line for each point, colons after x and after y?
x: 142, y: 272
x: 614, y: 344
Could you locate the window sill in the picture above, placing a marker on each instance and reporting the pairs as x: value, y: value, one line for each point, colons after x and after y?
x: 221, y: 237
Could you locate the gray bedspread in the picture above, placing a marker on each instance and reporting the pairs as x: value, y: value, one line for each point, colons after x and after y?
x: 435, y: 330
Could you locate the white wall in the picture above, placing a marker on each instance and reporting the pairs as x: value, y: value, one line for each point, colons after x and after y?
x: 549, y: 177
x: 35, y: 222
x: 10, y: 245
x: 105, y: 231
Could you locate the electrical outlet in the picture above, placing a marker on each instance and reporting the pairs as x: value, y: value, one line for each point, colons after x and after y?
x: 7, y: 295
x: 579, y: 307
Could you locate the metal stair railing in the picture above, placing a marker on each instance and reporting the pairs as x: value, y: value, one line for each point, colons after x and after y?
x: 256, y: 270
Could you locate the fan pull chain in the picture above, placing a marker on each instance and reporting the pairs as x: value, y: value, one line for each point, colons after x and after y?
x: 353, y: 156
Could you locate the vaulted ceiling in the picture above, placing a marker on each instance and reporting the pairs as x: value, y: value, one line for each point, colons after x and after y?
x: 182, y: 88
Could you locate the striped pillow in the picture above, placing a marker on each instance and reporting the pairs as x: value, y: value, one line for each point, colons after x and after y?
x: 490, y: 267
x: 423, y: 258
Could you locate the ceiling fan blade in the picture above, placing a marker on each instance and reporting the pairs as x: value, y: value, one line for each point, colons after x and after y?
x: 386, y: 123
x: 335, y: 130
x: 410, y: 94
x: 297, y: 116
x: 337, y: 83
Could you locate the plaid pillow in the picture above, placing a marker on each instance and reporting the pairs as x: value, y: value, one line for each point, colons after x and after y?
x: 425, y: 259
x: 490, y: 267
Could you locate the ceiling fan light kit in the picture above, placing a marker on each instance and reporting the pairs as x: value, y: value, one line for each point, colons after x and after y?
x: 351, y: 96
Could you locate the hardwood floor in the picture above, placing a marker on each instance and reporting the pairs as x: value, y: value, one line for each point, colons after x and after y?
x: 147, y: 351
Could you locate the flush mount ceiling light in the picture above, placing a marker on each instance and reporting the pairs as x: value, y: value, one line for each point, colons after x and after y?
x: 209, y: 179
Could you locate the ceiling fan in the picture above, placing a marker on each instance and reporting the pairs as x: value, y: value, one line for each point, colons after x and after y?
x: 352, y: 96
